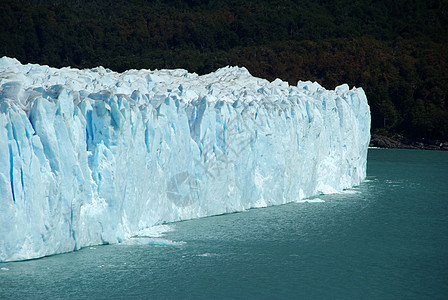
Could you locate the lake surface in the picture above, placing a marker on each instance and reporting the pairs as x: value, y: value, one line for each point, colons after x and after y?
x: 385, y: 239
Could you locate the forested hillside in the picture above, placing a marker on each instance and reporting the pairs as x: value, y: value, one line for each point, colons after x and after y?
x: 395, y: 50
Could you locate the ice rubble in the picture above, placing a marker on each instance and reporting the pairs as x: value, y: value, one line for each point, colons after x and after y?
x: 93, y: 156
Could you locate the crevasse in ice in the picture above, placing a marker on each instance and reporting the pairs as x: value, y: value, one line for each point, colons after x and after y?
x: 93, y: 156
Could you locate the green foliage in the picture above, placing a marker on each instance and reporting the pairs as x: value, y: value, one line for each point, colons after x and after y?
x: 395, y: 50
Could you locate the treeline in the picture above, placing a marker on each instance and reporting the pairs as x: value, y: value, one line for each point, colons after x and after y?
x: 395, y: 50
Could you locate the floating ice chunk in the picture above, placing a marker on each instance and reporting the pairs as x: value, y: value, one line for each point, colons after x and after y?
x: 206, y: 254
x: 314, y: 200
x: 350, y: 192
x: 151, y: 241
x: 155, y: 231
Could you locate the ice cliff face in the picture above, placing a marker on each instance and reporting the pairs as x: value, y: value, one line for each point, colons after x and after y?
x: 93, y: 156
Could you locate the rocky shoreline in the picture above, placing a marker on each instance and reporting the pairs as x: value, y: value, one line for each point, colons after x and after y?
x: 401, y: 142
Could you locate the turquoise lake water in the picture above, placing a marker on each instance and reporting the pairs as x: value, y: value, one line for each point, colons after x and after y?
x: 386, y: 239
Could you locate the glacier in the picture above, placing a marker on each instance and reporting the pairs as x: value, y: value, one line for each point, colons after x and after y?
x: 92, y: 156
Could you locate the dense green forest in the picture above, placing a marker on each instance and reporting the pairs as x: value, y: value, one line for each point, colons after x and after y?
x: 396, y: 50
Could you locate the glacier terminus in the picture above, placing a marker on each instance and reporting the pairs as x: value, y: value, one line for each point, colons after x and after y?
x: 92, y: 156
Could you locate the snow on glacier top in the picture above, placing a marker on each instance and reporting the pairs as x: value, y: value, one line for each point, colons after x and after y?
x: 227, y: 84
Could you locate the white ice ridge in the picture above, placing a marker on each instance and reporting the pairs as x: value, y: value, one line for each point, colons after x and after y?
x: 93, y: 156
